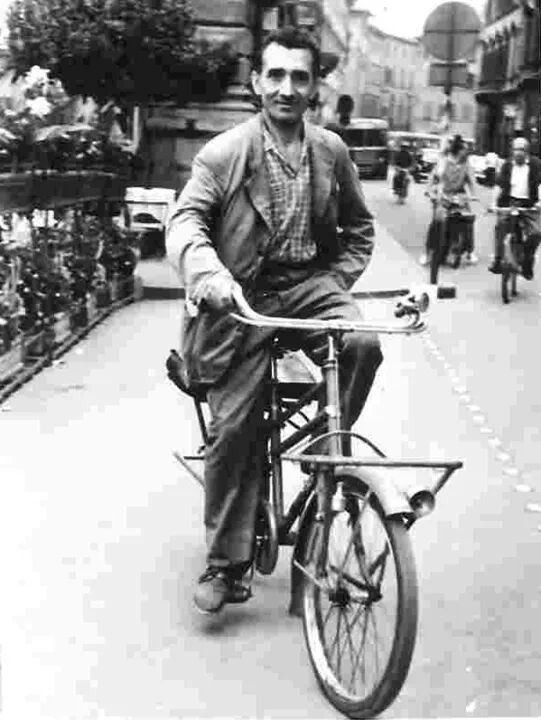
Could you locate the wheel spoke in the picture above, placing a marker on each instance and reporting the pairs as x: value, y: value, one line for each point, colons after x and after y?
x: 361, y: 648
x: 355, y: 525
x: 351, y: 645
x: 338, y: 655
x: 373, y: 618
x: 380, y: 561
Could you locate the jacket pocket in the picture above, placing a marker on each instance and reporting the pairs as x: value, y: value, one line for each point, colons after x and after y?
x: 209, y: 342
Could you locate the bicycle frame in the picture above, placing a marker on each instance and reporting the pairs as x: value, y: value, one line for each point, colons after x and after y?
x: 320, y: 492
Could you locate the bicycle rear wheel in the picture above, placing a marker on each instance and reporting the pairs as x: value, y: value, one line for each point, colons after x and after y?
x: 360, y: 617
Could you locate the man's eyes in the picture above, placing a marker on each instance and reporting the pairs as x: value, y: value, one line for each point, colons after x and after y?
x: 296, y: 77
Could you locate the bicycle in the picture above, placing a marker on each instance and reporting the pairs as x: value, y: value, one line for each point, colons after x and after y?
x: 401, y: 181
x: 452, y: 236
x: 513, y: 250
x: 352, y: 561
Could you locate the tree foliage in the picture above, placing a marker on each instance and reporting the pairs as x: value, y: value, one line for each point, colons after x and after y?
x: 127, y: 50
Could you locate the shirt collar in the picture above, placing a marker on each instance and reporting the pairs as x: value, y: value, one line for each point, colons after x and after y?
x: 270, y: 144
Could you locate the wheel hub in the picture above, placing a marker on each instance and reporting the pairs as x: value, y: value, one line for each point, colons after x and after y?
x: 340, y: 596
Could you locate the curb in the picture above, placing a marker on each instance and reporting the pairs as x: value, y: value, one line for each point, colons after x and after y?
x: 391, y: 267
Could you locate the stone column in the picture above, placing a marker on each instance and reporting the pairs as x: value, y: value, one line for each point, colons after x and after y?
x: 175, y: 134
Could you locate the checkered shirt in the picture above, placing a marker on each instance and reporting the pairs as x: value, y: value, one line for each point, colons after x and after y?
x: 290, y: 203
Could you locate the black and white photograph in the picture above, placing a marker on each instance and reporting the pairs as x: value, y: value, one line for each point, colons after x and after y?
x: 270, y: 392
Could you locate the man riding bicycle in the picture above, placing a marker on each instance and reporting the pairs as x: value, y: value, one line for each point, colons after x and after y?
x: 518, y: 185
x: 403, y: 164
x: 274, y: 206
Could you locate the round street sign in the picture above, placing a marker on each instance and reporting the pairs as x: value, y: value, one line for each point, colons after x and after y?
x: 451, y: 31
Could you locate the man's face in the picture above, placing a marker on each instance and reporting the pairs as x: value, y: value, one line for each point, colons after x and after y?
x: 519, y: 153
x: 286, y: 83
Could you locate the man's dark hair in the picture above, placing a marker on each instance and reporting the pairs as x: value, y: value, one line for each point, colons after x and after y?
x: 292, y: 38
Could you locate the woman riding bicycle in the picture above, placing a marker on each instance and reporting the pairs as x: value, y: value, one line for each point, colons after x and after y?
x: 452, y: 180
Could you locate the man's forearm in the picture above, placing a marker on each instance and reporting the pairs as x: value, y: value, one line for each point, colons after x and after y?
x: 188, y: 240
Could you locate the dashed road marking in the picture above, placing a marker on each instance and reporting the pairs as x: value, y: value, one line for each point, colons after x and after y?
x: 479, y: 418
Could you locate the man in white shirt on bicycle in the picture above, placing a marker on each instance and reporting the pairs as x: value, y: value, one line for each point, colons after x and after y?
x: 518, y: 185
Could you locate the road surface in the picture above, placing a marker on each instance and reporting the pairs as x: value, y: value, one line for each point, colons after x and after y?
x: 102, y: 530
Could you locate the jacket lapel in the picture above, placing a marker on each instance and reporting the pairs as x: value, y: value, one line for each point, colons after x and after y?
x: 257, y: 183
x: 322, y: 164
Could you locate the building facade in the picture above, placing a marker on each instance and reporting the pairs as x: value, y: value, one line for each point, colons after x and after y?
x: 381, y: 71
x: 173, y: 135
x: 429, y: 109
x: 388, y: 77
x: 508, y: 91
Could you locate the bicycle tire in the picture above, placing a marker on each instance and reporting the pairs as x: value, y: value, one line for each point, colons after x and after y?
x: 506, y: 274
x: 404, y: 633
x: 436, y: 258
x: 514, y: 291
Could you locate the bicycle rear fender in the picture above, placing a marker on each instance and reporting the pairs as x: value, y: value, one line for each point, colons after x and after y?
x: 390, y: 499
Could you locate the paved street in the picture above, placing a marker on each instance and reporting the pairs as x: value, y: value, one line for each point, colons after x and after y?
x: 102, y: 536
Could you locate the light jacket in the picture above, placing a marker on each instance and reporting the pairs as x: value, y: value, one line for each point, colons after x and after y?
x: 222, y: 223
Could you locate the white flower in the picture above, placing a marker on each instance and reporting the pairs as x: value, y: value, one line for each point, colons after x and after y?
x: 40, y: 106
x: 36, y: 76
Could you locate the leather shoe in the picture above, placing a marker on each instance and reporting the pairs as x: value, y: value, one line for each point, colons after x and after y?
x: 211, y: 592
x: 239, y: 590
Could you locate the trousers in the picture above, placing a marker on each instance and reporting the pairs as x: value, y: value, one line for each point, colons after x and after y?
x: 236, y: 443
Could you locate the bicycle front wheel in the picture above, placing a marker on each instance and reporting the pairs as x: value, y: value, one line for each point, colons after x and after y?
x: 360, y: 615
x: 505, y: 285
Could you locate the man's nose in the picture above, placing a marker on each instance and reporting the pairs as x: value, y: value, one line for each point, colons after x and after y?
x: 286, y: 86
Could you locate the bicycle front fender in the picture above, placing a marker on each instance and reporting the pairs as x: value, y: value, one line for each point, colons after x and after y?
x: 391, y: 500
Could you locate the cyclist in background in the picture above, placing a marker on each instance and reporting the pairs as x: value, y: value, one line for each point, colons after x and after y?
x: 518, y: 185
x: 452, y: 176
x: 403, y: 165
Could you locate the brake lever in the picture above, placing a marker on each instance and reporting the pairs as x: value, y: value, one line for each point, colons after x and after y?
x: 414, y: 304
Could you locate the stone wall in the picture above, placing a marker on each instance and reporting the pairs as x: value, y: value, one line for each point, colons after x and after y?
x: 174, y: 135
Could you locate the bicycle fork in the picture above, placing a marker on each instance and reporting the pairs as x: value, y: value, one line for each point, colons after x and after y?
x: 330, y: 497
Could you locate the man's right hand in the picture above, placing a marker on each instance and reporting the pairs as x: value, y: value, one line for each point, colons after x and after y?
x: 217, y: 292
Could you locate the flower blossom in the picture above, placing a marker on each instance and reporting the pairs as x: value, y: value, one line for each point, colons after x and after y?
x: 40, y: 107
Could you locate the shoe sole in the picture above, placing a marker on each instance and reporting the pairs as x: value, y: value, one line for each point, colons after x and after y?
x: 207, y: 613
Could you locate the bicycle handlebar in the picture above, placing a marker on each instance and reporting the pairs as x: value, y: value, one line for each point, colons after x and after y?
x: 518, y: 210
x: 411, y: 308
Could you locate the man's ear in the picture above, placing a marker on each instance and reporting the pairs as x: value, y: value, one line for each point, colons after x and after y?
x: 256, y: 84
